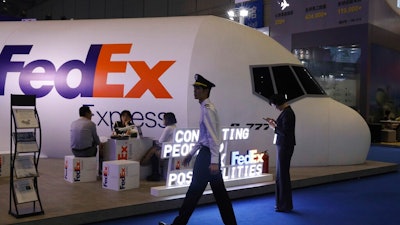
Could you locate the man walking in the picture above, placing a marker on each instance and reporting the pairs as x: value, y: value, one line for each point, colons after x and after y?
x: 206, y: 168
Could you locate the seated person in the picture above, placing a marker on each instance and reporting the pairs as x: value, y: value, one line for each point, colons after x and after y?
x: 125, y: 122
x: 153, y: 155
x: 84, y: 138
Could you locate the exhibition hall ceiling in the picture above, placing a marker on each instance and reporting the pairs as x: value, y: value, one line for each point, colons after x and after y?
x: 17, y: 8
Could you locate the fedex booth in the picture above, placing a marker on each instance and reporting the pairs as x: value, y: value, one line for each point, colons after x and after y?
x: 147, y: 66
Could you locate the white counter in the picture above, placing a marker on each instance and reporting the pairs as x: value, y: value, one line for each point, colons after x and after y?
x: 129, y: 149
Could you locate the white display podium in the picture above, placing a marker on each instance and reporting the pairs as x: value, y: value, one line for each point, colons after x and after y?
x: 119, y: 175
x: 80, y: 169
x: 128, y: 149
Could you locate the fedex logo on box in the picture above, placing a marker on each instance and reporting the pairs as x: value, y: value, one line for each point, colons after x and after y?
x: 105, y: 176
x: 122, y: 180
x: 80, y: 169
x: 123, y: 153
x: 94, y: 73
x: 119, y: 175
x: 77, y: 171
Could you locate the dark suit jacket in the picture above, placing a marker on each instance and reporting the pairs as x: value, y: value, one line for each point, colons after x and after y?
x: 285, y: 127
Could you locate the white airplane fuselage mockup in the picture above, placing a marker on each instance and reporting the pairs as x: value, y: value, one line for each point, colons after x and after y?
x: 147, y: 66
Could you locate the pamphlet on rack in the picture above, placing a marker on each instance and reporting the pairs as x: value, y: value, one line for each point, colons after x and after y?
x: 25, y: 191
x: 25, y: 118
x: 25, y: 167
x: 26, y: 142
x: 23, y: 147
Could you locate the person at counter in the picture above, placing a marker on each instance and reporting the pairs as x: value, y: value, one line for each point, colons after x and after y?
x: 83, y: 134
x: 122, y: 127
x: 154, y: 153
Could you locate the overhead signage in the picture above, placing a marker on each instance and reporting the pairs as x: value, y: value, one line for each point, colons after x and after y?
x: 282, y: 12
x: 234, y: 164
x: 283, y: 4
x: 255, y: 17
x: 317, y: 14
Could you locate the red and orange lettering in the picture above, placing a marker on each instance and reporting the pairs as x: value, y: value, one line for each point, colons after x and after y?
x: 105, y: 66
x: 149, y: 79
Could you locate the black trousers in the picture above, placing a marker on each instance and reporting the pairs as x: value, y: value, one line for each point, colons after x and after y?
x: 87, y: 152
x: 283, y: 188
x: 201, y: 177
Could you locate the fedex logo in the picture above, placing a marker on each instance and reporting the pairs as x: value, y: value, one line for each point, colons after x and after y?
x: 94, y: 73
x: 77, y: 170
x: 124, y: 153
x: 251, y: 157
x: 122, y: 175
x: 105, y: 176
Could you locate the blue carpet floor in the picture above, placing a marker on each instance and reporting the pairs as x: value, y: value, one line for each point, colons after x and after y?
x: 373, y: 200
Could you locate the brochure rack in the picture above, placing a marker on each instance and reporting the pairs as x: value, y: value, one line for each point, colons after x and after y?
x: 25, y: 145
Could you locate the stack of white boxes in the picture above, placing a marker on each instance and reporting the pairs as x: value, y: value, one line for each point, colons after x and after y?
x: 4, y: 164
x: 121, y: 175
x: 388, y: 135
x: 80, y: 169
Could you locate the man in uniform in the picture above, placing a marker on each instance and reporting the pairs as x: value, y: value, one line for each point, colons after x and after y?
x: 206, y: 168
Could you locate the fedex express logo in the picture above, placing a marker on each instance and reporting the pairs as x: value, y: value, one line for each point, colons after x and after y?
x: 94, y: 71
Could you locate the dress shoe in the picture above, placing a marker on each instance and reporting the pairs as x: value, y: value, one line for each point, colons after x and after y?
x: 282, y: 210
x: 162, y: 223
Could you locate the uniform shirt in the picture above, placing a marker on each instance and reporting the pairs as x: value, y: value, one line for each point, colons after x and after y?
x: 83, y: 134
x: 209, y: 130
x: 167, y: 134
